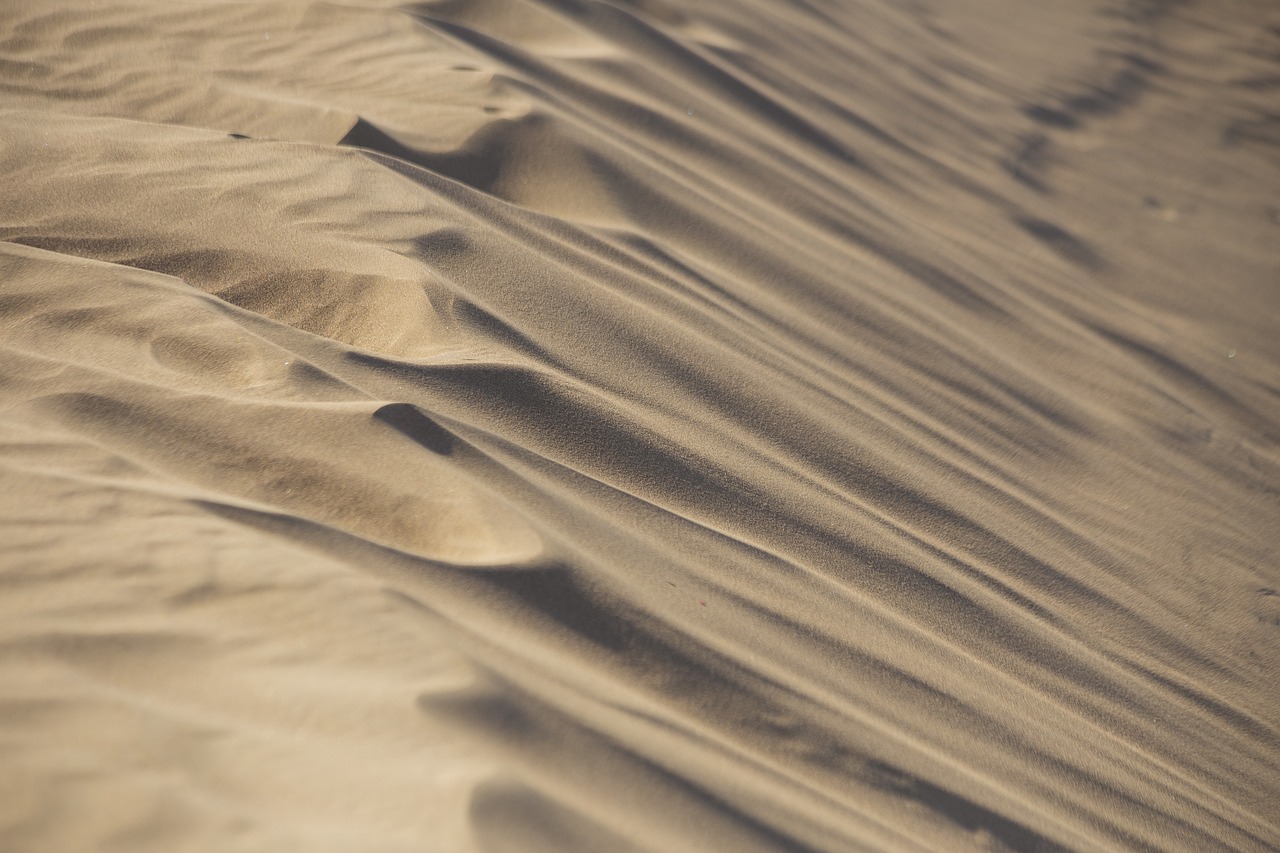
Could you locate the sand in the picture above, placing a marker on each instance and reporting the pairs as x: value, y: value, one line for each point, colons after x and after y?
x: 625, y: 425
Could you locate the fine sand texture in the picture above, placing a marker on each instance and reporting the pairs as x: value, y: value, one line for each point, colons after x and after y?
x: 543, y: 426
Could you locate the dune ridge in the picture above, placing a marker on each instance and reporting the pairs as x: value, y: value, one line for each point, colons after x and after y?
x: 518, y: 425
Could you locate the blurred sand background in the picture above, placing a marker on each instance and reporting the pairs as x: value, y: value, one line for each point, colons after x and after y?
x: 632, y: 425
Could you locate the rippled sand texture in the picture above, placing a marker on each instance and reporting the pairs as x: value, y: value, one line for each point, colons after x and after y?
x: 601, y: 425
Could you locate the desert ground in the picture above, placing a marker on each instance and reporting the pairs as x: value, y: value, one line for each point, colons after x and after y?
x: 539, y: 426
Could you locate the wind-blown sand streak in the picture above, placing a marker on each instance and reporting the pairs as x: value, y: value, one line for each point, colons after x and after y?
x: 521, y: 425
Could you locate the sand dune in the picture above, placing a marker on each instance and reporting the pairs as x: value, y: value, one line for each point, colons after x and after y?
x: 612, y: 425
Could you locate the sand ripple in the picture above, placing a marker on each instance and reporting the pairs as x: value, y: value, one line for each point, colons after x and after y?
x: 545, y: 425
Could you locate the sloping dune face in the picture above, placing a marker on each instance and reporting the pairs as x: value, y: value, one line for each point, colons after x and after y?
x: 624, y: 425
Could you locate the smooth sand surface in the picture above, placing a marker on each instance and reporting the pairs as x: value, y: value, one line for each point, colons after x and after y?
x: 624, y: 425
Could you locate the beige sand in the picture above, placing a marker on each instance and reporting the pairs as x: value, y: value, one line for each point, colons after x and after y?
x: 620, y: 425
